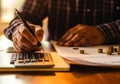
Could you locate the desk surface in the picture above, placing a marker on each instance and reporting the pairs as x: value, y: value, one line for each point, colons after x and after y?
x: 82, y: 75
x: 77, y: 75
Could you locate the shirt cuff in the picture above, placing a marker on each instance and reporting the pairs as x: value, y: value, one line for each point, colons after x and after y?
x: 110, y: 32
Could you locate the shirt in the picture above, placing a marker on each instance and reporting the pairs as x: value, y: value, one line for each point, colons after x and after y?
x: 65, y: 14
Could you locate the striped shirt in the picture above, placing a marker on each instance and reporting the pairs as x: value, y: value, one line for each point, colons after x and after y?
x: 65, y: 14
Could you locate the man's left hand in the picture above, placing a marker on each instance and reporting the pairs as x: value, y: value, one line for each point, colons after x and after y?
x: 82, y: 35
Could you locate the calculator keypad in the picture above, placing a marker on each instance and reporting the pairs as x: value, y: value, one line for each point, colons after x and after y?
x: 41, y: 60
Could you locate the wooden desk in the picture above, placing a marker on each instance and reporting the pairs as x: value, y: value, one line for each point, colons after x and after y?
x: 77, y: 75
x: 83, y: 75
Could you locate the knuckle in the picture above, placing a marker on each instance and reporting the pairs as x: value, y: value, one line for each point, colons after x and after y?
x: 22, y: 29
x: 21, y: 46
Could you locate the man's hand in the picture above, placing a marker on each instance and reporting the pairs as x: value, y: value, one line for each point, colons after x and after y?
x: 24, y: 41
x: 82, y: 35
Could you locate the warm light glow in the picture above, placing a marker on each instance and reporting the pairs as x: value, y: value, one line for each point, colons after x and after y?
x: 5, y: 3
x: 7, y: 17
x: 7, y: 13
x: 7, y: 9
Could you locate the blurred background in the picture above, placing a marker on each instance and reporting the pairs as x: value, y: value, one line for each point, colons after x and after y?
x: 7, y: 8
x: 7, y: 11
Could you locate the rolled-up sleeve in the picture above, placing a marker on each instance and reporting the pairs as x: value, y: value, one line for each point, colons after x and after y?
x: 11, y: 28
x: 111, y: 32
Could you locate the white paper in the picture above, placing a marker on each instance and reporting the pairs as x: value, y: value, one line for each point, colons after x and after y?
x: 90, y: 56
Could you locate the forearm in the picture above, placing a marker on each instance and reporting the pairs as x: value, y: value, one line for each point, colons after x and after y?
x: 12, y: 27
x: 111, y: 32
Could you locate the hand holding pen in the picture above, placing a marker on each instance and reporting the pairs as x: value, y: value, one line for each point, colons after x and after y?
x: 26, y: 36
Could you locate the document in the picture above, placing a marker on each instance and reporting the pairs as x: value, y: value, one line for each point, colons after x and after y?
x: 91, y: 55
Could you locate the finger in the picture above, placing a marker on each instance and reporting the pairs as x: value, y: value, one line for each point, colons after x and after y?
x: 76, y: 28
x: 39, y: 33
x: 75, y: 38
x: 32, y: 26
x: 19, y: 49
x: 83, y: 42
x: 22, y: 44
x: 22, y: 48
x: 23, y: 41
x: 17, y: 46
x: 28, y: 35
x: 68, y: 37
x: 64, y: 36
x: 71, y: 31
x: 14, y: 42
x: 65, y: 39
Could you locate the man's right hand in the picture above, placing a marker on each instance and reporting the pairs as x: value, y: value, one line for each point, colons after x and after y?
x: 24, y: 41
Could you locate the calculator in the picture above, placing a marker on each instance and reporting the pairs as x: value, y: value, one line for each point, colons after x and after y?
x: 32, y: 60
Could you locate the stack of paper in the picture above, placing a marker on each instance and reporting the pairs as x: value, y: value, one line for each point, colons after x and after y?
x: 90, y: 57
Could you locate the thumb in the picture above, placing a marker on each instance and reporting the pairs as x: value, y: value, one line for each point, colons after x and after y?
x: 39, y: 33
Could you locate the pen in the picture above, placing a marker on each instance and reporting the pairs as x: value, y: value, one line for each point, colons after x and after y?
x: 25, y: 24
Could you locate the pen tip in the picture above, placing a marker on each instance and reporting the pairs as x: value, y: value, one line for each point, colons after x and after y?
x: 15, y: 9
